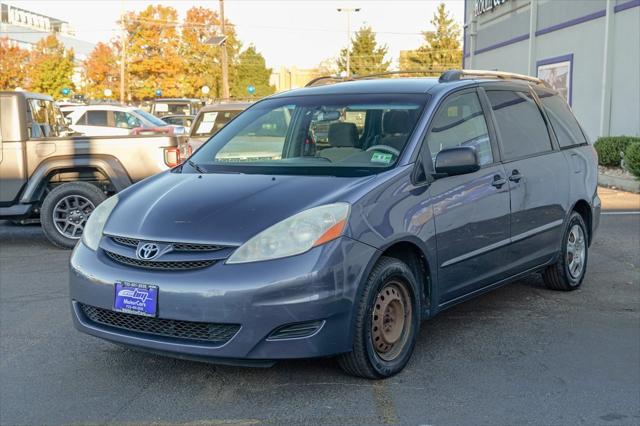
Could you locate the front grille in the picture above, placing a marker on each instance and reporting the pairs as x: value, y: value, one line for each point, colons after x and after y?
x: 201, y: 331
x: 132, y: 242
x: 164, y: 265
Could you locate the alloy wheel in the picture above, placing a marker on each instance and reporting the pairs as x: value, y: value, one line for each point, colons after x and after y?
x: 576, y: 251
x: 70, y: 215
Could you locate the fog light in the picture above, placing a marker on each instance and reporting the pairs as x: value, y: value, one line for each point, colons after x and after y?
x: 298, y: 330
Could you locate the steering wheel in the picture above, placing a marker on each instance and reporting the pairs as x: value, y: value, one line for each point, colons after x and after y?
x: 384, y: 148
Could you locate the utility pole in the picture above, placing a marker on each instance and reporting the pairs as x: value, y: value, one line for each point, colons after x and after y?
x: 225, y: 65
x: 348, y: 12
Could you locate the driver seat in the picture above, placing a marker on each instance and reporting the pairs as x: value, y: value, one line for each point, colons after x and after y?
x: 343, y: 138
x: 395, y: 128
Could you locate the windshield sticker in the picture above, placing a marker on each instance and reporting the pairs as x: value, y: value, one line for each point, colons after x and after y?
x: 381, y: 157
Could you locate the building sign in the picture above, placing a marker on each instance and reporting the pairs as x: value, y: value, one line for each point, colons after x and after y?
x: 558, y: 76
x: 484, y: 6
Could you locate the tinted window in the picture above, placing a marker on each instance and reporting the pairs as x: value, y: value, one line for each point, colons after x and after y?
x: 522, y: 129
x: 460, y: 122
x: 124, y: 120
x: 562, y: 120
x: 97, y: 118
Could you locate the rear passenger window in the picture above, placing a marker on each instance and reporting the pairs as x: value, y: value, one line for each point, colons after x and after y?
x: 522, y: 129
x: 562, y: 120
x: 97, y: 118
x: 460, y: 122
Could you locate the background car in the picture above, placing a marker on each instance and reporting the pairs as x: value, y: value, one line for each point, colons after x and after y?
x: 211, y: 119
x: 113, y: 120
x: 179, y: 120
x: 175, y: 106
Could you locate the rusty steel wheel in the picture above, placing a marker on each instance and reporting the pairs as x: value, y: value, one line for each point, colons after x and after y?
x: 391, y: 320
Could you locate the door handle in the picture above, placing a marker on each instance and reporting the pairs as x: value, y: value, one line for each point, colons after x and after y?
x: 515, y: 176
x: 498, y: 181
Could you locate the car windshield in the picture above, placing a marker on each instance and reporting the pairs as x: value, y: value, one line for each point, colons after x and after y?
x: 169, y: 108
x: 150, y: 118
x: 335, y: 135
x: 209, y: 122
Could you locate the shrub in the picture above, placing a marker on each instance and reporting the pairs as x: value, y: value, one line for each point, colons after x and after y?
x: 632, y: 158
x: 609, y: 149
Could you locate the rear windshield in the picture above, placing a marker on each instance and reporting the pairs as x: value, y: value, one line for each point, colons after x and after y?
x: 209, y: 122
x: 172, y: 108
x: 336, y: 134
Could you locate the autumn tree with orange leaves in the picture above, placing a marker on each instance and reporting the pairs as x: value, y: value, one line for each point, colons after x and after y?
x: 153, y: 53
x: 202, y: 60
x: 101, y: 70
x: 50, y: 67
x: 13, y: 63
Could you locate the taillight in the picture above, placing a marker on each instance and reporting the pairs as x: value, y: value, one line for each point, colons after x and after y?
x: 172, y: 156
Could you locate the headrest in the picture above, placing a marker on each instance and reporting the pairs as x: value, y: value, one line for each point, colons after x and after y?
x: 395, y: 121
x: 343, y: 134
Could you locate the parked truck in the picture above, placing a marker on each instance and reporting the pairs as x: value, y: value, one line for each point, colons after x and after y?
x: 50, y: 173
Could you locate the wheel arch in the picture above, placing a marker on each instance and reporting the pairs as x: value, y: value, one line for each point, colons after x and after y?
x: 411, y: 251
x: 107, y: 165
x: 583, y: 208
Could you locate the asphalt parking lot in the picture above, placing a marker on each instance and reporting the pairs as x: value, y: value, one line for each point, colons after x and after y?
x: 519, y: 355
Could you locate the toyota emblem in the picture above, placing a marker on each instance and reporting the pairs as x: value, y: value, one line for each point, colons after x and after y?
x: 148, y: 251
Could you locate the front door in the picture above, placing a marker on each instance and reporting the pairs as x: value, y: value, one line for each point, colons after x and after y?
x: 538, y: 178
x: 471, y: 212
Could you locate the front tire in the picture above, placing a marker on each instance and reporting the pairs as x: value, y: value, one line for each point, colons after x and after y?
x: 65, y: 211
x: 568, y: 272
x: 387, y: 320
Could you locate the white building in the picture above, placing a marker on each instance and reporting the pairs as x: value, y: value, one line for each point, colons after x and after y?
x: 587, y: 49
x: 25, y: 29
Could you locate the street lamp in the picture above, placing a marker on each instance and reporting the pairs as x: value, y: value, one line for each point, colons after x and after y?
x: 348, y: 12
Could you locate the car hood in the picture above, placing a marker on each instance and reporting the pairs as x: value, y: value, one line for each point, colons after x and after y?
x: 225, y: 209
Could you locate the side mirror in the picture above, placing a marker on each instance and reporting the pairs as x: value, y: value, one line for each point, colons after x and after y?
x: 459, y: 160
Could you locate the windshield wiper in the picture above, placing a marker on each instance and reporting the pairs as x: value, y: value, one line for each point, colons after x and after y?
x: 196, y: 167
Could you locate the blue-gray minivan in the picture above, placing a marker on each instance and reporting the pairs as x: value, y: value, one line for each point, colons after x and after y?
x: 332, y: 220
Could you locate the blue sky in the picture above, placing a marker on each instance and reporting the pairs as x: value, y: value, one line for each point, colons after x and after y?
x: 287, y: 33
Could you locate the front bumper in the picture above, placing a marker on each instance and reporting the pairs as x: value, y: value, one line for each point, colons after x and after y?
x: 320, y: 285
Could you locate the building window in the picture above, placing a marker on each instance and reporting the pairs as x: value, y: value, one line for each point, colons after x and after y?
x: 558, y: 73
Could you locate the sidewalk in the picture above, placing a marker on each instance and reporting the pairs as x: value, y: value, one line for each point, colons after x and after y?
x: 613, y: 200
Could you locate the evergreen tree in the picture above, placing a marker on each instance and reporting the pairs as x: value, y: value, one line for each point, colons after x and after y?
x: 367, y: 57
x: 441, y: 49
x: 50, y: 67
x: 251, y: 70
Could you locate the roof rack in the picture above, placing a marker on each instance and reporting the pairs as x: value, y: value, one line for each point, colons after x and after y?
x: 330, y: 79
x: 446, y: 76
x: 455, y: 75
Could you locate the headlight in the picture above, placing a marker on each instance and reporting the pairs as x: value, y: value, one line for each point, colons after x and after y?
x: 95, y: 224
x: 295, y: 235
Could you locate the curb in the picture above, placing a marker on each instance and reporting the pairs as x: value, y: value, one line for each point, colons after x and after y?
x: 629, y: 185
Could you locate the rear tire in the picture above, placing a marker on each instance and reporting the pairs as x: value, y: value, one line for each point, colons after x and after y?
x: 387, y: 320
x: 568, y: 272
x: 65, y: 211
